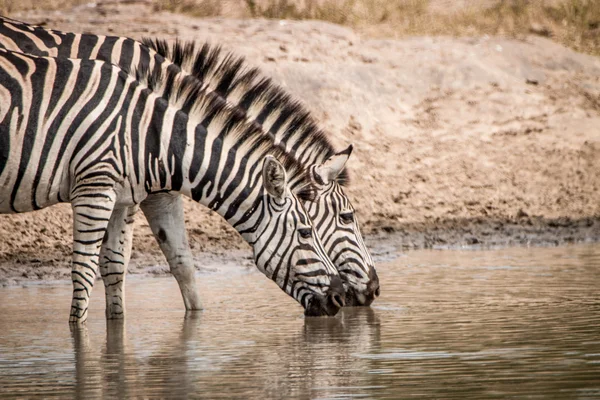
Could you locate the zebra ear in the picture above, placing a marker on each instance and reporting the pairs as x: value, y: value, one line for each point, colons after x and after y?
x: 274, y: 177
x: 333, y: 166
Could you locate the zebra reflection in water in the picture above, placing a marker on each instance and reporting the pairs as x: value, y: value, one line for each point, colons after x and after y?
x: 192, y: 359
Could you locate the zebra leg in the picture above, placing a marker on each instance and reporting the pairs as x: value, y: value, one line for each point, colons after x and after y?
x: 91, y: 213
x: 114, y: 258
x: 164, y: 213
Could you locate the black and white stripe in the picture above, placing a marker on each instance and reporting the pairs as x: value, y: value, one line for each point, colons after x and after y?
x: 160, y: 209
x: 86, y: 132
x: 267, y: 105
x: 289, y: 125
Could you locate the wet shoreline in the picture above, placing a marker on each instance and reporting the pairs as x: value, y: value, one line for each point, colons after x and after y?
x: 386, y: 242
x: 485, y: 233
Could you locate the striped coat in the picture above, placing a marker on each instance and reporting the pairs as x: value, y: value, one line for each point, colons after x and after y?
x: 86, y: 132
x: 282, y: 119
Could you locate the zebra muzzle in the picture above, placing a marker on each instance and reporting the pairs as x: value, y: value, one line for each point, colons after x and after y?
x: 330, y: 303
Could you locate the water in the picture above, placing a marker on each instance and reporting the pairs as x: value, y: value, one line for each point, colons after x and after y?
x: 509, y: 323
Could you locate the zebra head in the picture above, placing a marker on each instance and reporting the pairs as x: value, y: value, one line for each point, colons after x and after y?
x: 287, y: 250
x: 334, y: 219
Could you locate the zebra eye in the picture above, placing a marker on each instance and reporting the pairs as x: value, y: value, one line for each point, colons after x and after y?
x: 347, y: 218
x: 305, y: 233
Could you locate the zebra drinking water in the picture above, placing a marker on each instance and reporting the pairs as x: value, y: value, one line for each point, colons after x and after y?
x: 264, y: 103
x: 290, y: 125
x: 86, y: 132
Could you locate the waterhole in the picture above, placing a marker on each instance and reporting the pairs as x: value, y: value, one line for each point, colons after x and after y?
x: 507, y: 323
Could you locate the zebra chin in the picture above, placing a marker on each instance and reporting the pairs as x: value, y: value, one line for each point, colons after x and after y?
x: 329, y: 304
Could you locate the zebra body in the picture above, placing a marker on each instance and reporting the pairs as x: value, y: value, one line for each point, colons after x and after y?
x: 85, y: 132
x: 283, y: 120
x: 160, y: 210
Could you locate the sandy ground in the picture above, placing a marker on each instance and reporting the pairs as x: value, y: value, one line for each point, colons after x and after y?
x: 472, y: 141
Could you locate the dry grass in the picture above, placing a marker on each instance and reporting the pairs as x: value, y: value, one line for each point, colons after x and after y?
x: 9, y: 6
x: 575, y: 23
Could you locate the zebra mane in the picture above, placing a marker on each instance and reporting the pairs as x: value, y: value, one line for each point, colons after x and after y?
x: 226, y: 75
x: 206, y: 108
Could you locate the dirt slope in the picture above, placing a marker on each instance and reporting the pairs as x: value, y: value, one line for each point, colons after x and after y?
x: 457, y: 141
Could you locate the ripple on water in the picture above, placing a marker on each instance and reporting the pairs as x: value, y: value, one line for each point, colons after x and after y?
x: 450, y: 324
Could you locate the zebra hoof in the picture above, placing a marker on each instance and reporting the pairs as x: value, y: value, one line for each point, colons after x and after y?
x: 197, y: 306
x: 114, y: 311
x: 113, y: 316
x: 75, y: 320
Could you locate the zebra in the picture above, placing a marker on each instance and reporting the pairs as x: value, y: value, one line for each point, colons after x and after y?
x: 258, y: 98
x: 162, y: 211
x: 288, y: 124
x: 88, y: 133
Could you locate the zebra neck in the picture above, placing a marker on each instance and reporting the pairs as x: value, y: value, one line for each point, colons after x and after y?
x: 199, y: 161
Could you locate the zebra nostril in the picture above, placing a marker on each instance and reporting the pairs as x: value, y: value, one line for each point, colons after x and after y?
x: 377, y: 292
x: 338, y: 300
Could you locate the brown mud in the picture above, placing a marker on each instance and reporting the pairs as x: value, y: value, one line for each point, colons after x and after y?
x: 482, y: 141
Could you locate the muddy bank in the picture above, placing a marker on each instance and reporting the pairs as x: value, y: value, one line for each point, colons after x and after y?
x: 458, y: 141
x: 39, y: 251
